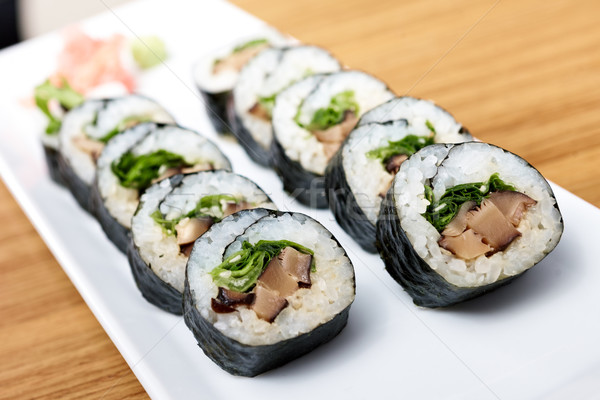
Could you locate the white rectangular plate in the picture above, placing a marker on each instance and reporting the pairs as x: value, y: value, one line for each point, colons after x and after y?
x: 536, y: 338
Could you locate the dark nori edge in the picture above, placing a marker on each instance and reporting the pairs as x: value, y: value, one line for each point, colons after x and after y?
x: 254, y: 150
x: 153, y: 289
x: 344, y: 207
x: 305, y: 186
x: 423, y: 284
x: 216, y: 104
x: 52, y: 156
x: 117, y: 233
x: 246, y: 360
x: 79, y: 189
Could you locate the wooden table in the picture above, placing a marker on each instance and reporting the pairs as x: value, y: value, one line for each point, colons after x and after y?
x: 523, y: 75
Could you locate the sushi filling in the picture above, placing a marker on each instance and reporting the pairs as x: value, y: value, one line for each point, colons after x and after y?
x: 477, y: 218
x: 190, y: 226
x: 332, y: 124
x: 139, y: 172
x: 261, y: 276
x: 396, y: 152
x: 239, y: 56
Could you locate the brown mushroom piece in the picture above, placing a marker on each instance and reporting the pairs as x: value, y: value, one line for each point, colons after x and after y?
x: 488, y: 221
x: 277, y: 279
x: 227, y: 300
x: 512, y: 204
x: 190, y: 229
x: 459, y: 222
x: 260, y: 111
x: 333, y: 137
x: 267, y: 303
x: 232, y: 208
x: 90, y: 146
x: 394, y: 162
x: 467, y: 245
x: 296, y: 264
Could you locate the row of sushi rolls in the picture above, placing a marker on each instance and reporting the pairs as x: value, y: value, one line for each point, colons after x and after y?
x: 452, y: 218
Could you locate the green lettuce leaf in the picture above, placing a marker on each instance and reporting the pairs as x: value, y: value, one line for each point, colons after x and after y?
x: 240, y: 271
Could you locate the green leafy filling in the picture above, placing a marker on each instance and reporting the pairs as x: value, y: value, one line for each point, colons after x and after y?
x: 333, y: 114
x: 138, y: 172
x: 66, y: 97
x: 268, y: 102
x: 440, y: 213
x: 247, y: 45
x: 430, y: 126
x: 408, y: 145
x: 208, y: 206
x: 123, y: 125
x: 240, y: 271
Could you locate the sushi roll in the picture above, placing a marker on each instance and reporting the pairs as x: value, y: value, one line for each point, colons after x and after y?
x: 172, y: 214
x: 311, y: 119
x: 86, y: 129
x: 461, y: 220
x: 259, y: 82
x: 216, y: 73
x: 55, y: 101
x: 262, y: 292
x: 360, y: 174
x: 138, y: 157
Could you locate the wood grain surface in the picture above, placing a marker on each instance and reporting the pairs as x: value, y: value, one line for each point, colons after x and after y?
x: 524, y: 75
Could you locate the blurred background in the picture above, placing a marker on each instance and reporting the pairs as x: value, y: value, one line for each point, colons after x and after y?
x: 23, y: 19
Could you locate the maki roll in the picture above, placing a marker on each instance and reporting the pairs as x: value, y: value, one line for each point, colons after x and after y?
x: 360, y: 174
x: 311, y: 119
x: 215, y: 74
x: 461, y: 220
x: 85, y: 131
x: 55, y: 102
x: 260, y: 292
x: 259, y: 82
x: 172, y: 214
x: 139, y: 157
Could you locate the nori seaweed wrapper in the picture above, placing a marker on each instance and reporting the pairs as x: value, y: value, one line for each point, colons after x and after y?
x: 344, y: 207
x: 216, y: 104
x: 154, y: 289
x: 80, y: 190
x: 254, y: 150
x: 117, y: 233
x: 305, y: 186
x: 52, y: 155
x: 245, y: 360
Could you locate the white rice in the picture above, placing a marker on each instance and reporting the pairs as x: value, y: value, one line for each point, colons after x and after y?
x: 269, y: 73
x: 475, y: 162
x: 417, y: 112
x: 161, y: 251
x: 305, y: 97
x: 72, y: 126
x: 95, y: 119
x: 331, y: 292
x: 121, y: 202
